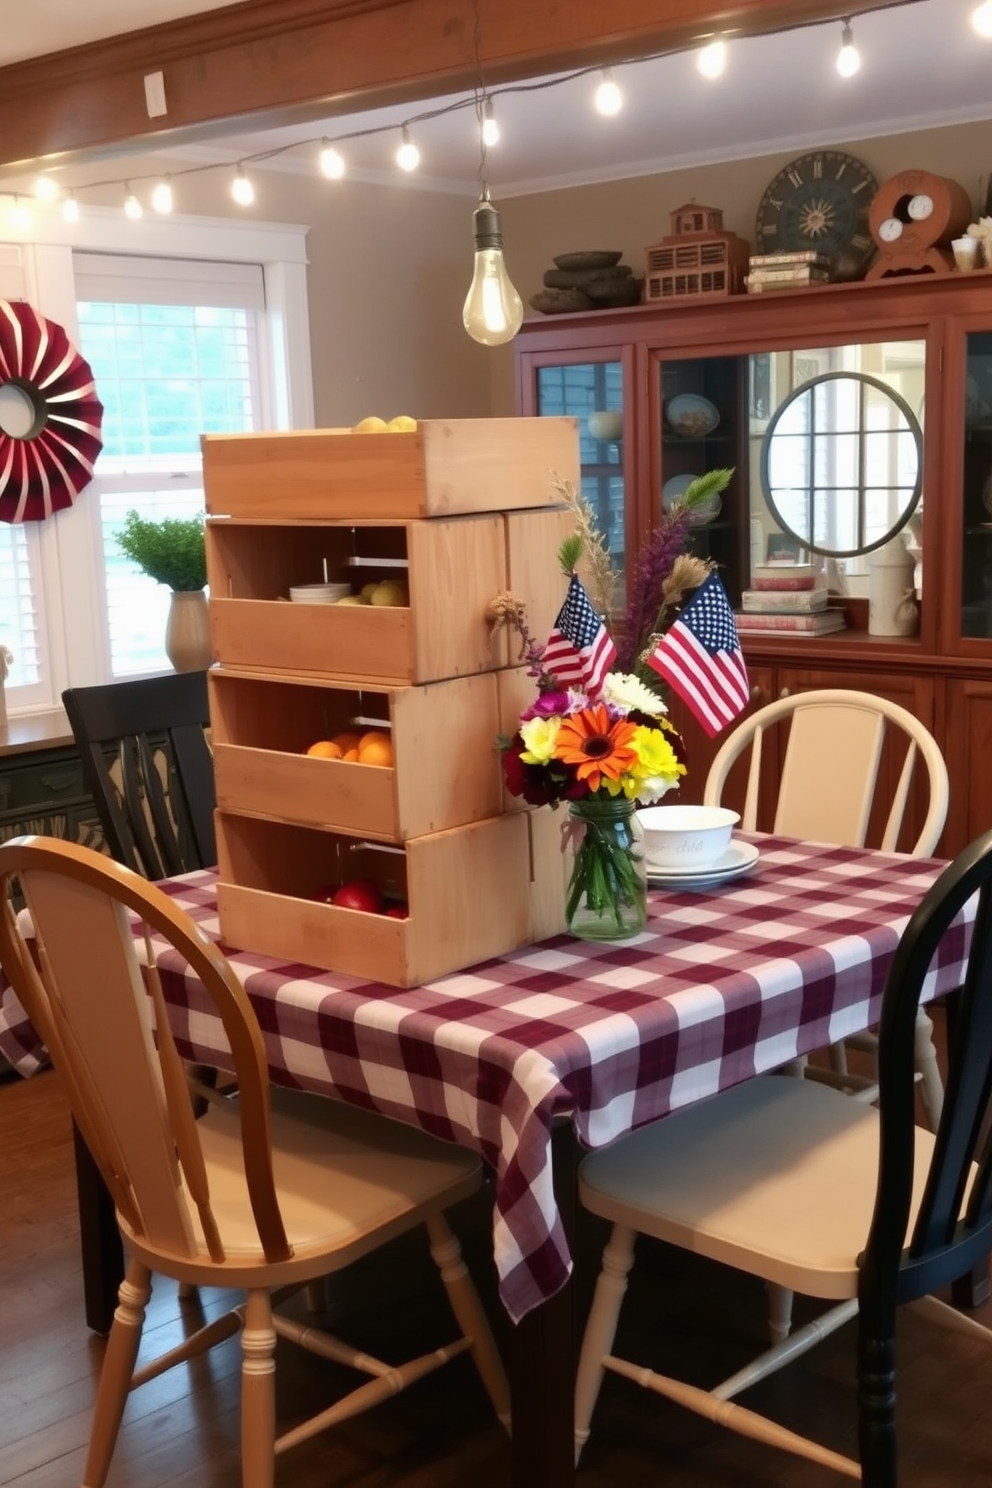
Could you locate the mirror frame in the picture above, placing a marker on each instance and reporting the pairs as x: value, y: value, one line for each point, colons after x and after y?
x: 914, y: 428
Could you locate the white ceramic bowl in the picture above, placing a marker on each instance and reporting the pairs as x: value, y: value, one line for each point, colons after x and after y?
x: 686, y: 837
x: 318, y: 593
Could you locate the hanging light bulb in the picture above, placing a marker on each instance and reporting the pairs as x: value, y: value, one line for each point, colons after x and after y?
x: 70, y: 209
x: 45, y: 189
x: 493, y: 310
x: 242, y: 190
x: 981, y: 19
x: 608, y: 97
x: 132, y: 206
x: 162, y: 196
x: 712, y: 58
x: 331, y: 162
x: 407, y: 156
x: 848, y: 60
x: 490, y: 128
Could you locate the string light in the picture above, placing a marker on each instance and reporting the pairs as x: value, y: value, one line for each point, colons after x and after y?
x: 848, y: 59
x: 242, y: 190
x: 407, y: 156
x: 331, y: 162
x: 132, y: 206
x: 490, y: 128
x: 608, y: 97
x: 70, y: 209
x: 981, y: 19
x: 712, y: 58
x: 45, y: 189
x: 162, y: 196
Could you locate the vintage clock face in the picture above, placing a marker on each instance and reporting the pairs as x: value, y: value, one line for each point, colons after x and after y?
x: 819, y: 201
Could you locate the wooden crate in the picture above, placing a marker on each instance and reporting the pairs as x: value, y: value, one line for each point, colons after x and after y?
x: 446, y: 771
x: 453, y: 567
x: 446, y: 466
x: 468, y: 892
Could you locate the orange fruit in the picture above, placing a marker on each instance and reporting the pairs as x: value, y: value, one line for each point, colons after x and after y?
x: 346, y: 742
x: 373, y: 735
x: 325, y: 749
x: 376, y: 752
x: 350, y: 754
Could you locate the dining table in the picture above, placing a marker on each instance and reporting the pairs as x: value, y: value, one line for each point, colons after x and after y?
x: 593, y: 1038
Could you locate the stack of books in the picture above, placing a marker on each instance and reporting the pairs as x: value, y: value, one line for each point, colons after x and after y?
x: 787, y: 270
x: 786, y: 597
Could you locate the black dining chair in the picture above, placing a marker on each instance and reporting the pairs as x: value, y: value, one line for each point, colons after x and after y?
x: 795, y: 1183
x: 147, y: 764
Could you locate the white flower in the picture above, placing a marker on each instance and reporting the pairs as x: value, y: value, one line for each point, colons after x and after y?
x: 624, y: 691
x: 651, y: 790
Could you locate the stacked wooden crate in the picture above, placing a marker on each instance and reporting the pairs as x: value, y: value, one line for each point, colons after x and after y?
x: 461, y: 509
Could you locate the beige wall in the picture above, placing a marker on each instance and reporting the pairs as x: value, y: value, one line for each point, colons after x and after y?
x: 634, y: 213
x: 390, y: 265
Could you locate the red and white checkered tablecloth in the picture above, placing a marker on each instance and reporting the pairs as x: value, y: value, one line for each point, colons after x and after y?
x: 722, y: 984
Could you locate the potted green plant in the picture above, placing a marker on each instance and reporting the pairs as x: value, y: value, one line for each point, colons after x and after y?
x: 172, y: 551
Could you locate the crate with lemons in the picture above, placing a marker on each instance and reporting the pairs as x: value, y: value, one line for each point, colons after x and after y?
x: 362, y: 822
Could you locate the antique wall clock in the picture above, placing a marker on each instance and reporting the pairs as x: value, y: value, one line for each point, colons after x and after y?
x: 819, y: 202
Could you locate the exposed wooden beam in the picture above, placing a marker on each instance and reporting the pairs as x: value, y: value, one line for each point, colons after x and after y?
x: 282, y: 61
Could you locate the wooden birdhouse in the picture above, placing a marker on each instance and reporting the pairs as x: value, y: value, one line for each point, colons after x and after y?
x: 698, y: 258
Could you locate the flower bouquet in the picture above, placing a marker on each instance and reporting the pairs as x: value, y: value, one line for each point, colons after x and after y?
x: 599, y: 737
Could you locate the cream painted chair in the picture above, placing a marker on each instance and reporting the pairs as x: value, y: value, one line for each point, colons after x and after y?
x: 794, y: 1182
x: 826, y: 791
x: 267, y: 1191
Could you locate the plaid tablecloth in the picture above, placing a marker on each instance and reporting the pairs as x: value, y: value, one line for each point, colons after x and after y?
x: 723, y: 983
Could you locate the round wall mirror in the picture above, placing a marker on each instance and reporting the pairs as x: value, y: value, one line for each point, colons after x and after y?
x: 842, y: 464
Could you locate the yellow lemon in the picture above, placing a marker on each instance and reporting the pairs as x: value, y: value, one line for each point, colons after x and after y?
x: 370, y: 425
x: 391, y: 592
x: 402, y: 424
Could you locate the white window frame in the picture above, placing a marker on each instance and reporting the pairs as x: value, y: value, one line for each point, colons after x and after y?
x: 71, y: 610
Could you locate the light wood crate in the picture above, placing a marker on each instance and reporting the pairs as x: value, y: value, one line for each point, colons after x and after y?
x: 446, y: 466
x: 446, y: 771
x: 453, y: 567
x: 468, y: 892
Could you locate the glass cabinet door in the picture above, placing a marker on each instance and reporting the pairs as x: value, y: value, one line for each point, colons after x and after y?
x: 701, y: 413
x: 976, y: 536
x: 592, y: 392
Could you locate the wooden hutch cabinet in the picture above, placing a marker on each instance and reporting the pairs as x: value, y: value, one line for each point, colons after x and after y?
x: 735, y: 358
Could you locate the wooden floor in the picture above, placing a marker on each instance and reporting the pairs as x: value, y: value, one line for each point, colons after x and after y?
x: 182, y: 1430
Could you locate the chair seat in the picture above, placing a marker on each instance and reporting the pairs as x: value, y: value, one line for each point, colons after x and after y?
x: 347, y: 1180
x: 750, y: 1178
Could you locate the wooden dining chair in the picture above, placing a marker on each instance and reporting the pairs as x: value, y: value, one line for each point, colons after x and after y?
x: 265, y: 1192
x: 828, y: 790
x: 147, y: 764
x: 796, y: 1183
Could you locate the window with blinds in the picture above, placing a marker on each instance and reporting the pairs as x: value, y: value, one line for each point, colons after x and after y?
x: 173, y: 345
x: 20, y: 630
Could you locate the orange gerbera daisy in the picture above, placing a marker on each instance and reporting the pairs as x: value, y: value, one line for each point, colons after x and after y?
x: 598, y: 748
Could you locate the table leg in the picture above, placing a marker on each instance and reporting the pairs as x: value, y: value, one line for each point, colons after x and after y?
x: 542, y: 1356
x: 974, y: 1288
x: 100, y: 1240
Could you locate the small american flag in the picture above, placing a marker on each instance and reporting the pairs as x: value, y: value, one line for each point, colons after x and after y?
x: 579, y: 649
x: 700, y: 657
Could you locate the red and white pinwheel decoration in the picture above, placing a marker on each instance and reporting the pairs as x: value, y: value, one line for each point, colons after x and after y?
x: 45, y: 469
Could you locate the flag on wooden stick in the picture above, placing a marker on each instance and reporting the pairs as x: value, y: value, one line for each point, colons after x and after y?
x: 579, y: 650
x: 700, y: 658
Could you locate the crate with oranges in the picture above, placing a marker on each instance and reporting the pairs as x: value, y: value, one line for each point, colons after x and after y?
x: 389, y: 763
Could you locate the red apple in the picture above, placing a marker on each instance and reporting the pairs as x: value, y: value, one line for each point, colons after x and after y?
x: 359, y: 893
x: 397, y: 912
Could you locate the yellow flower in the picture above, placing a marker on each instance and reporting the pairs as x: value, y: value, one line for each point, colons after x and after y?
x: 657, y: 768
x: 540, y: 736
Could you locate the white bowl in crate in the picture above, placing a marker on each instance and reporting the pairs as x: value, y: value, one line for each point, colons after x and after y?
x: 318, y: 593
x: 685, y: 837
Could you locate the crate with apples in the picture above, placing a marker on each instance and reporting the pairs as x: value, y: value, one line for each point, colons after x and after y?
x: 362, y: 824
